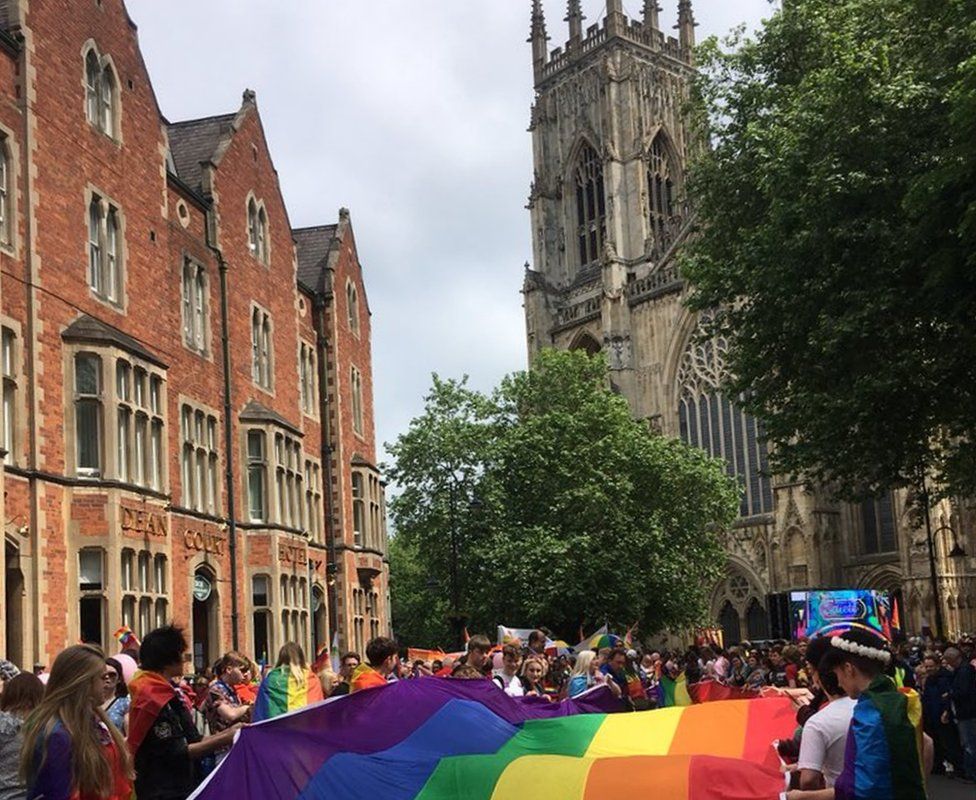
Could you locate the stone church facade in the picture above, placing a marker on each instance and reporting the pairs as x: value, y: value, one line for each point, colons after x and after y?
x: 608, y: 214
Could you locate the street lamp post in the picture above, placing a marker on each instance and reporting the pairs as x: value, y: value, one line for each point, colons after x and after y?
x: 457, y: 624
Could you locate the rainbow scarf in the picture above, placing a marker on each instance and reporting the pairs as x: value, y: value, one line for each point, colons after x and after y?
x: 150, y: 692
x: 281, y: 691
x: 673, y: 691
x: 365, y: 677
x: 440, y: 739
x: 883, y: 759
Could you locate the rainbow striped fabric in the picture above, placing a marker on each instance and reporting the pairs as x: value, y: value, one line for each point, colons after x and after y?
x: 440, y: 739
x: 883, y: 758
x: 282, y: 691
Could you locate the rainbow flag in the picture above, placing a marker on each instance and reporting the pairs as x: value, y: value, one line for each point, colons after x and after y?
x: 673, y: 691
x: 883, y: 757
x: 441, y: 739
x: 282, y: 691
x: 150, y: 692
x: 126, y: 638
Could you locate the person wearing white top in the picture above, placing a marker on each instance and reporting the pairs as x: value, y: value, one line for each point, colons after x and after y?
x: 507, y: 677
x: 823, y: 743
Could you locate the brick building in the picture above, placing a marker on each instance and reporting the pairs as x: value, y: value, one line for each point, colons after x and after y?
x: 187, y: 384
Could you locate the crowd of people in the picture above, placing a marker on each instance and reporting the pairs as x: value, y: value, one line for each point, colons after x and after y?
x: 135, y: 725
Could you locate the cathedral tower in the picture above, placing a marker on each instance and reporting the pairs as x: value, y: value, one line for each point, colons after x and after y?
x: 606, y: 202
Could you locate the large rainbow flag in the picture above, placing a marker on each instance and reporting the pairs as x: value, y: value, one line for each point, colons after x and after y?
x: 443, y: 739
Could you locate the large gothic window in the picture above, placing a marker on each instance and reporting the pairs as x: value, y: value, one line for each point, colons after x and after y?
x: 662, y: 191
x: 757, y: 621
x: 591, y: 206
x: 878, y: 521
x: 709, y: 420
x: 728, y: 620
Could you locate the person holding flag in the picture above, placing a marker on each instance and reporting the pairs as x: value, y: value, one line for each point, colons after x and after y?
x: 289, y: 686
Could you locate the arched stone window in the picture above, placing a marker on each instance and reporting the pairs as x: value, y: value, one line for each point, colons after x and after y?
x: 757, y: 620
x: 878, y: 526
x: 587, y: 343
x: 591, y: 206
x: 709, y: 420
x: 728, y: 620
x: 662, y: 189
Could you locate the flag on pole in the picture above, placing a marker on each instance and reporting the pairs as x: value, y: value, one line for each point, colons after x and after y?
x: 126, y: 638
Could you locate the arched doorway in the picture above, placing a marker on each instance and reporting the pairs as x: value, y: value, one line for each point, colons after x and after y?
x: 728, y: 620
x: 14, y: 599
x: 757, y: 621
x: 205, y: 639
x: 587, y: 343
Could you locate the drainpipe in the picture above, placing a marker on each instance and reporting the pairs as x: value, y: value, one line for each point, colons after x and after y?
x: 322, y: 346
x: 228, y: 433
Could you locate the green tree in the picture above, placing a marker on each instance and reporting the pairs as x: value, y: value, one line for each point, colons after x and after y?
x: 837, y: 224
x: 584, y: 513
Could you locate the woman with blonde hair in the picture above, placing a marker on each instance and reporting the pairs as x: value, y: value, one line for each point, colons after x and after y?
x: 289, y: 686
x: 71, y: 749
x: 581, y: 678
x: 533, y: 673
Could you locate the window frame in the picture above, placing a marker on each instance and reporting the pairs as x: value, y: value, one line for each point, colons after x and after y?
x: 352, y: 308
x: 102, y: 98
x: 257, y: 465
x: 195, y: 306
x: 590, y: 204
x: 356, y: 392
x: 106, y: 249
x: 262, y: 349
x: 96, y: 400
x: 10, y: 370
x: 7, y: 192
x: 199, y: 459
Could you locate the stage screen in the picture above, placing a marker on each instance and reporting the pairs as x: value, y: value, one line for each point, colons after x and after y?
x: 820, y: 613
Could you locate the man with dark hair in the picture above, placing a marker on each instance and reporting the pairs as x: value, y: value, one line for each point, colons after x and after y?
x: 382, y: 657
x: 162, y: 736
x: 347, y: 665
x: 537, y: 643
x: 479, y: 647
x: 615, y: 670
x: 508, y: 676
x: 963, y: 700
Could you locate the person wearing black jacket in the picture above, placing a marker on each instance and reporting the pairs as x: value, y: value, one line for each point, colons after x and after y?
x: 935, y: 690
x: 963, y: 696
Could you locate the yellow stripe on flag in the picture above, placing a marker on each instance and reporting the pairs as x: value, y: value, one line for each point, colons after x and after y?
x: 544, y: 778
x: 644, y: 734
x: 297, y: 692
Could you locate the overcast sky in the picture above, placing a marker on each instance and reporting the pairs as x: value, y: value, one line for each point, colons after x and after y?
x: 413, y: 114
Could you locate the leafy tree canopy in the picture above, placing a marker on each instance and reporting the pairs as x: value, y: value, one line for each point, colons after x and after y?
x: 567, y: 510
x: 837, y: 231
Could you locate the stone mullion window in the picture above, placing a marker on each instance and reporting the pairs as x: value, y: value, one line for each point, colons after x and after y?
x: 257, y: 231
x: 139, y: 426
x: 101, y: 94
x: 199, y: 458
x: 662, y: 194
x: 262, y: 351
x: 288, y: 481
x: 11, y: 378
x: 257, y: 475
x: 195, y: 306
x: 293, y: 596
x: 307, y: 376
x: 145, y: 595
x: 352, y: 307
x: 356, y: 382
x: 92, y: 602
x: 261, y: 616
x: 88, y: 415
x: 105, y: 249
x: 6, y: 204
x: 591, y: 206
x: 313, y: 501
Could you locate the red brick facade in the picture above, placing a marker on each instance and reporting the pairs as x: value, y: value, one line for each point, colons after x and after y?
x: 166, y: 338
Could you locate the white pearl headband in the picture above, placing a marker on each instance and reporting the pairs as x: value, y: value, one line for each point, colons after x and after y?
x: 875, y: 653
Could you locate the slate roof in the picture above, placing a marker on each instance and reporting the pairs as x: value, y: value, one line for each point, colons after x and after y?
x: 89, y: 330
x: 256, y: 412
x: 195, y: 141
x: 313, y: 246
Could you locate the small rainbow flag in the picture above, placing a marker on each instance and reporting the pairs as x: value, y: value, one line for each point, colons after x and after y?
x: 282, y: 690
x: 673, y: 691
x: 126, y: 638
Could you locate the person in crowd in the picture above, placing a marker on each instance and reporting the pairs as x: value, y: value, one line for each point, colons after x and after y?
x: 533, y: 675
x: 792, y: 665
x: 164, y: 741
x: 462, y: 671
x: 382, y: 657
x: 479, y: 648
x: 614, y: 672
x: 116, y: 704
x: 447, y: 667
x: 9, y: 670
x: 936, y: 689
x: 347, y: 666
x: 71, y: 750
x: 328, y: 679
x: 537, y: 644
x: 756, y: 672
x: 963, y: 707
x: 581, y: 678
x: 247, y: 689
x: 21, y: 695
x: 737, y: 671
x: 776, y: 674
x: 508, y: 676
x: 881, y: 738
x: 289, y: 686
x: 900, y: 670
x: 824, y: 738
x: 224, y: 708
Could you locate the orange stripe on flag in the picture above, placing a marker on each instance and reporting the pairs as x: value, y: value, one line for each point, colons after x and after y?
x: 718, y: 729
x: 664, y: 777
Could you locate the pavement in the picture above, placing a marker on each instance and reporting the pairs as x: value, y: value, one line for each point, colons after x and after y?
x: 942, y: 788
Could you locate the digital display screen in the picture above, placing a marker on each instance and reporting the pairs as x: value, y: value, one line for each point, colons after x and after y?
x: 828, y: 613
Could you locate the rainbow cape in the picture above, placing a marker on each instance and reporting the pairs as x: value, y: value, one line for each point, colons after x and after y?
x: 883, y: 758
x: 442, y: 739
x: 282, y: 692
x: 150, y: 692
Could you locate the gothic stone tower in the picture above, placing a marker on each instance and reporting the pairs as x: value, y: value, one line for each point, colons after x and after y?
x: 608, y: 213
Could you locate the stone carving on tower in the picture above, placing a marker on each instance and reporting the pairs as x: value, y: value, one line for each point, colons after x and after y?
x: 609, y: 214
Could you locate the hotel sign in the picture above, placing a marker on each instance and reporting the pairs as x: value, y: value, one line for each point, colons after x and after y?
x: 145, y: 522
